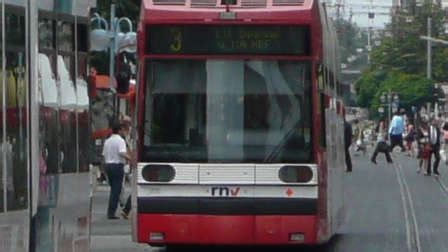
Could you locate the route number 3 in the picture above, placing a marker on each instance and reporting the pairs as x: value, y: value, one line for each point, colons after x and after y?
x: 176, y: 43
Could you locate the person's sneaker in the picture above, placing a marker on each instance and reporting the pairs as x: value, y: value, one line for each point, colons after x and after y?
x: 436, y: 174
x: 427, y: 174
x: 124, y: 215
x: 373, y: 161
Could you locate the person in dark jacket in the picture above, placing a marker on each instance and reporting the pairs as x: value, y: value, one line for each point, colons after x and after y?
x: 434, y: 138
x: 348, y: 132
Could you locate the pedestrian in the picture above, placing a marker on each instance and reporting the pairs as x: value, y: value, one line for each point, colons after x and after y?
x: 127, y: 208
x: 424, y: 146
x: 115, y: 156
x: 396, y: 130
x: 410, y: 138
x: 348, y: 132
x: 360, y: 142
x: 381, y: 142
x: 445, y: 141
x: 359, y: 136
x: 126, y: 121
x: 434, y: 137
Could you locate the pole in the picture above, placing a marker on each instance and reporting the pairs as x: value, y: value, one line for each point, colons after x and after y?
x: 428, y: 44
x: 389, y: 101
x: 112, y: 45
x: 369, y: 44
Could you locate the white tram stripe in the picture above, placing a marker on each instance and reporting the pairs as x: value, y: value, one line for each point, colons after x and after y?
x: 293, y: 192
x: 242, y: 174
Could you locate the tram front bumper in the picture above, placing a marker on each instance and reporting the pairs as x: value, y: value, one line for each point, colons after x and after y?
x: 176, y: 229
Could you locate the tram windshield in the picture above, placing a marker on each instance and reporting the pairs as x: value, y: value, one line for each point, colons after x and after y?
x: 227, y: 111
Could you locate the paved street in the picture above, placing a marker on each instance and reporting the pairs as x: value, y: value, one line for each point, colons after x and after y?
x: 389, y: 208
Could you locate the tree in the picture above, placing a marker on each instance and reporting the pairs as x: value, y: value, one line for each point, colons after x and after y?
x: 399, y: 63
x: 367, y: 86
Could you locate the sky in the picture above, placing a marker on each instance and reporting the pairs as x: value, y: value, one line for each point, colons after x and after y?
x: 361, y: 7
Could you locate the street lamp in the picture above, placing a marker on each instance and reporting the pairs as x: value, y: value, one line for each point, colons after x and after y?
x: 111, y: 37
x: 439, y: 102
x: 391, y: 100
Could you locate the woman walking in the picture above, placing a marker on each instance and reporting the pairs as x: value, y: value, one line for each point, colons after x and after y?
x: 381, y: 145
x: 424, y: 146
x: 410, y: 138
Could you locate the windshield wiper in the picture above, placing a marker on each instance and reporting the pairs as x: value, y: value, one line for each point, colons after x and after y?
x: 277, y: 149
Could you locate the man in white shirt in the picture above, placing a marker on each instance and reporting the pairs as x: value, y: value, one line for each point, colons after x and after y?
x: 115, y: 156
x: 396, y: 130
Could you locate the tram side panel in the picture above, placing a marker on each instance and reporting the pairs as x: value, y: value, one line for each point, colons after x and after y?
x: 14, y: 161
x: 63, y: 215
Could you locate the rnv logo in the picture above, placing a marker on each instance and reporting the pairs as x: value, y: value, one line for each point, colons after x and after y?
x: 225, y: 191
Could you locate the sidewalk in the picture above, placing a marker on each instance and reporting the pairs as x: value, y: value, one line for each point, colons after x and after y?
x: 110, y: 235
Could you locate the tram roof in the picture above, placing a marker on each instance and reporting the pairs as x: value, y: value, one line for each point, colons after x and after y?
x: 216, y: 6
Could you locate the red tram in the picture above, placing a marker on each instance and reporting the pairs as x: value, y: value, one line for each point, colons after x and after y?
x: 239, y: 123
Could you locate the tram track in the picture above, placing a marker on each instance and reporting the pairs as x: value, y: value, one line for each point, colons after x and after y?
x: 412, y: 229
x: 442, y: 185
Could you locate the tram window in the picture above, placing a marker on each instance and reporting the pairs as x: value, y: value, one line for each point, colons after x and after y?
x: 331, y: 80
x: 82, y: 37
x: 2, y: 157
x: 67, y: 115
x: 15, y: 145
x: 228, y: 111
x: 83, y: 114
x: 323, y: 123
x: 65, y: 37
x: 69, y: 65
x: 49, y: 140
x: 48, y: 112
x: 2, y: 140
x: 15, y: 30
x: 82, y: 66
x: 320, y: 77
x: 68, y: 141
x: 46, y: 34
x: 84, y: 144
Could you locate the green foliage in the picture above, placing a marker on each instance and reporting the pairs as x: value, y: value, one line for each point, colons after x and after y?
x: 399, y: 63
x: 411, y: 89
x: 367, y: 86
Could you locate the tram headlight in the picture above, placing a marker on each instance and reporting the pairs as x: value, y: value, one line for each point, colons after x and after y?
x: 295, y: 174
x: 158, y: 173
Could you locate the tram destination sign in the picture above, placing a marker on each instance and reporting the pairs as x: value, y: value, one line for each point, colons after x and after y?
x: 227, y: 39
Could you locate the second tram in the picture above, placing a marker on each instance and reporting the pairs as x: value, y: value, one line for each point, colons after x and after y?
x: 44, y: 108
